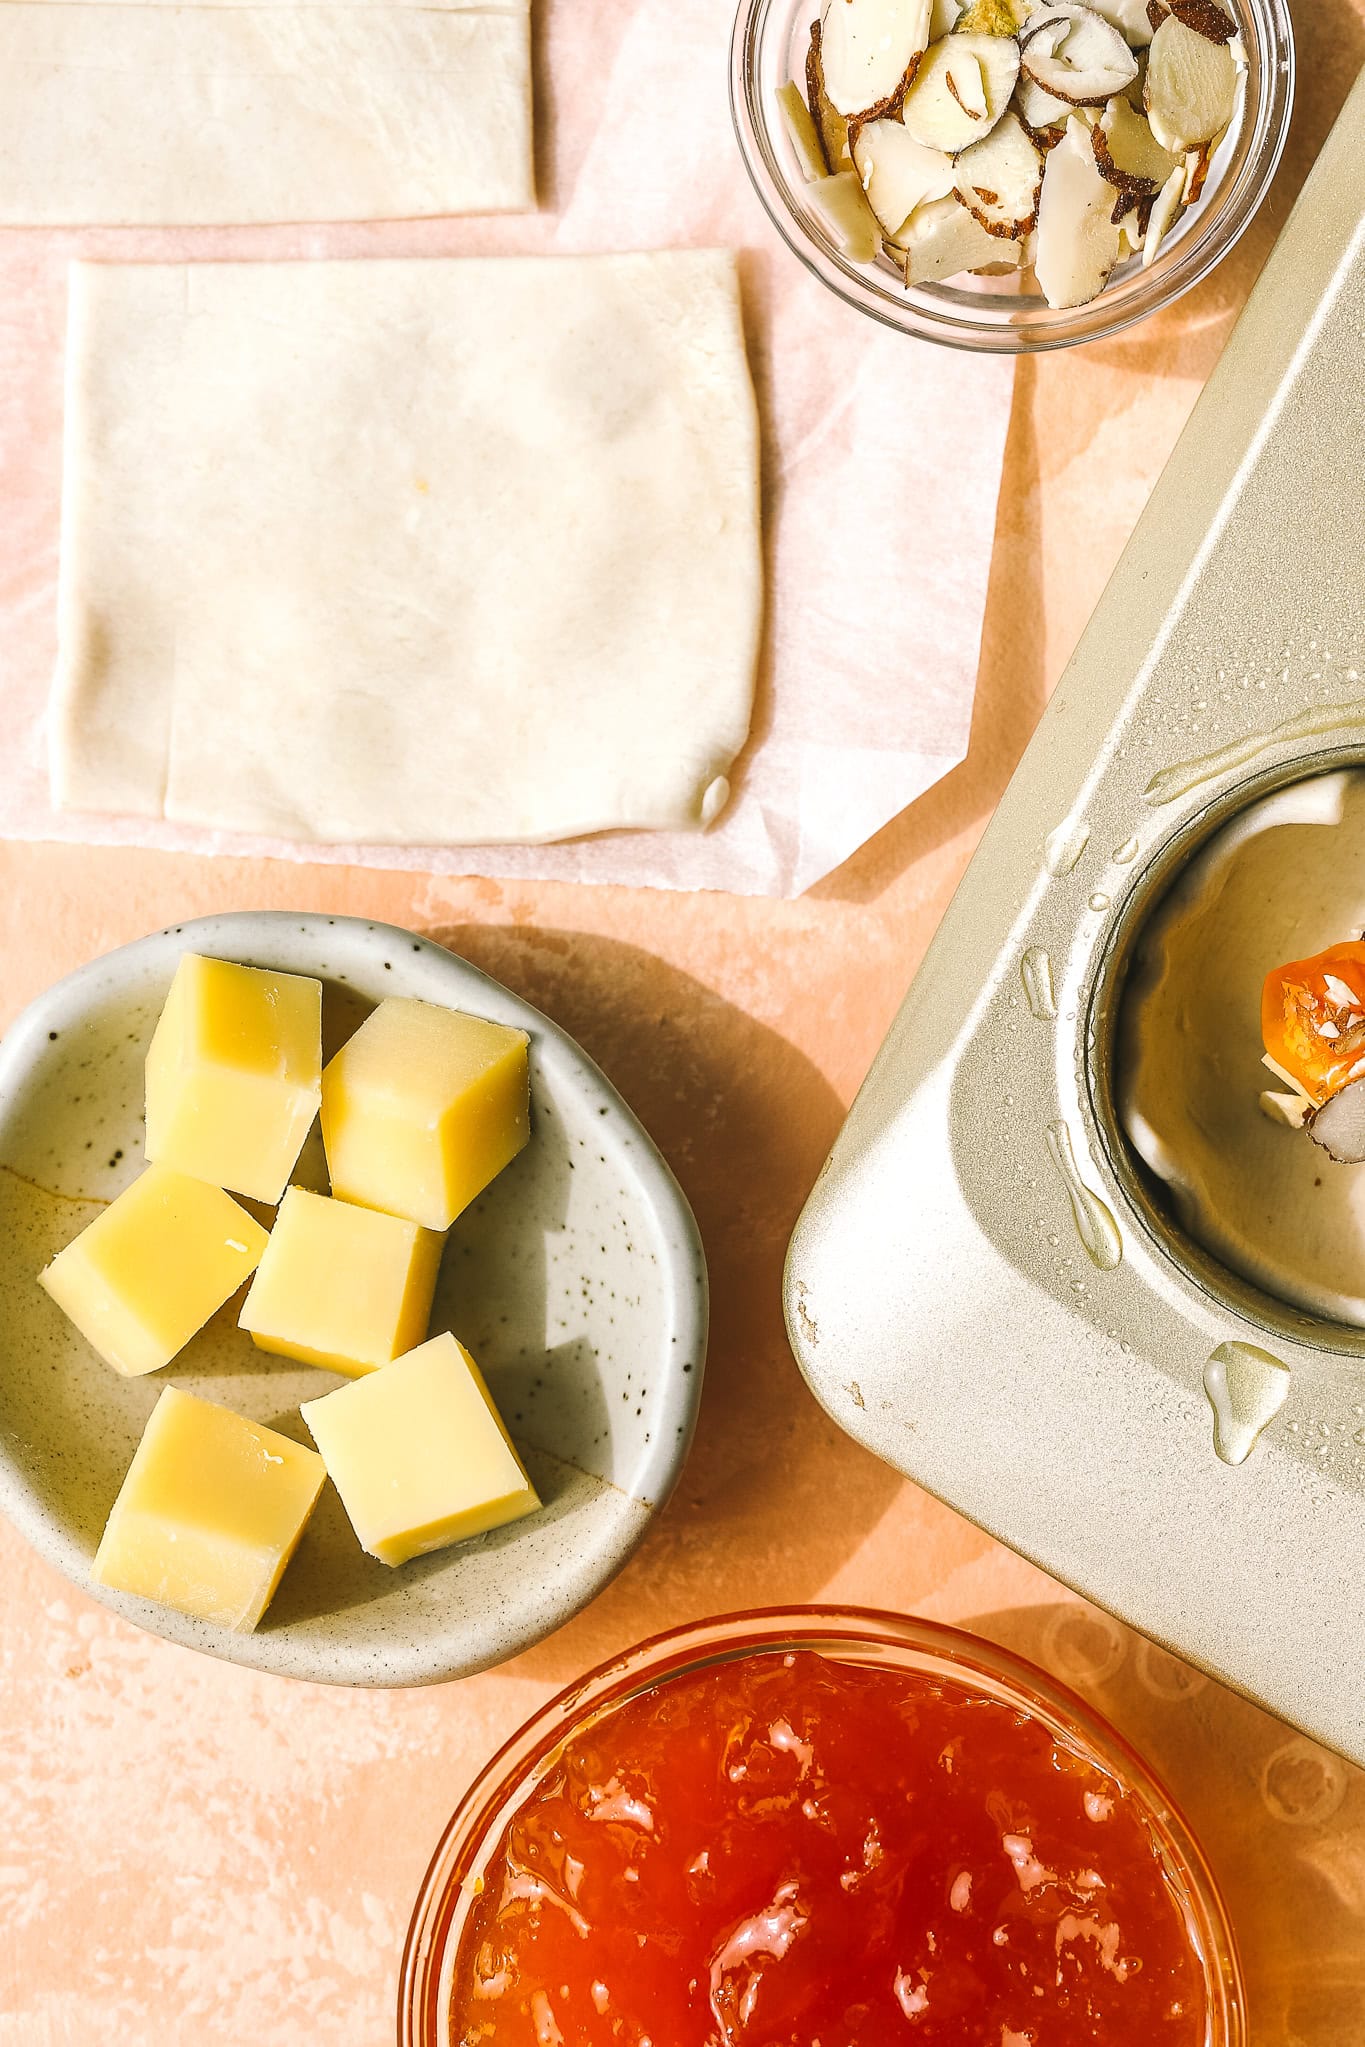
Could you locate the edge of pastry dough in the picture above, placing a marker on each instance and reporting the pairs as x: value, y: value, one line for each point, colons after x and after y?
x: 129, y: 777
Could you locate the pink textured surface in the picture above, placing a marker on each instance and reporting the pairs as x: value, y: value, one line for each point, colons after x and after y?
x: 189, y: 1853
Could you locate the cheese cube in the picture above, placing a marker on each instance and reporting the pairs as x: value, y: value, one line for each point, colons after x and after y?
x: 209, y: 1513
x: 234, y: 1075
x: 422, y: 1108
x: 419, y: 1454
x: 144, y: 1277
x: 341, y: 1287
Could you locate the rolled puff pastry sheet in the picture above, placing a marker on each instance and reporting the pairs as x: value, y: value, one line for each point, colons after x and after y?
x: 413, y: 552
x: 144, y: 114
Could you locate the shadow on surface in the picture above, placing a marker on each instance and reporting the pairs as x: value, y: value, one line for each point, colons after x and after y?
x: 332, y: 1579
x: 745, y: 1122
x: 1011, y: 687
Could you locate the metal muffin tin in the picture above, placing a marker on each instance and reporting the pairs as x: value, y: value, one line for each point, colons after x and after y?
x: 982, y: 1287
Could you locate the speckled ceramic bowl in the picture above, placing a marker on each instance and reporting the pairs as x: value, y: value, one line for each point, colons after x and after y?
x: 578, y: 1281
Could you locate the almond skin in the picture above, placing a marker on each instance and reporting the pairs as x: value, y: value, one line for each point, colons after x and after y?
x: 830, y: 125
x: 1205, y: 17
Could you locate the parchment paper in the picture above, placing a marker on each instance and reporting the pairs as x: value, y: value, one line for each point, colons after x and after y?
x: 882, y: 462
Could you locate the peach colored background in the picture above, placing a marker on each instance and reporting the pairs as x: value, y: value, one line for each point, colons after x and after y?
x: 190, y: 1853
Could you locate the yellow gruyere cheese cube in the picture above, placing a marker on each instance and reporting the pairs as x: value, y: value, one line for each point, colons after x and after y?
x: 234, y: 1075
x: 419, y: 1454
x: 144, y: 1277
x: 342, y: 1287
x: 209, y: 1513
x: 422, y: 1107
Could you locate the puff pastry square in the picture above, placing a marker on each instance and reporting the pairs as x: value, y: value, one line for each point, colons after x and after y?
x: 414, y: 552
x: 140, y: 113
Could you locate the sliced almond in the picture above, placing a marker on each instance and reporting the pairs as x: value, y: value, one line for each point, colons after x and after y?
x: 1040, y: 111
x: 830, y: 124
x: 1206, y: 17
x: 1289, y: 1110
x: 943, y: 17
x: 1044, y: 116
x: 1339, y: 1125
x: 1130, y: 233
x: 1132, y: 92
x: 967, y: 86
x: 1191, y: 90
x: 1291, y: 1080
x: 942, y: 239
x: 1162, y: 212
x: 870, y: 49
x: 1127, y: 153
x: 960, y: 91
x: 897, y: 173
x: 992, y: 17
x: 841, y: 201
x: 1078, y: 240
x: 1197, y: 170
x: 1157, y: 10
x: 1129, y: 17
x: 1043, y: 139
x: 802, y: 131
x: 1077, y: 56
x: 998, y: 179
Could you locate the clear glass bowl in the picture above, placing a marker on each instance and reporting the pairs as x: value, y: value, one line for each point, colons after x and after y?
x: 853, y: 1635
x: 994, y: 314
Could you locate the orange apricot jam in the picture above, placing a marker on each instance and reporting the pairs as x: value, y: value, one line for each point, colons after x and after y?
x: 1313, y: 1018
x: 790, y: 1851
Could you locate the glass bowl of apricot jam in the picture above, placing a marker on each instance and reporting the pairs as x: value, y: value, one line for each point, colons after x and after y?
x: 823, y: 1827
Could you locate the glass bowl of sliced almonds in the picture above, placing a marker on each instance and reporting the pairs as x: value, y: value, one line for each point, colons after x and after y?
x: 1011, y: 175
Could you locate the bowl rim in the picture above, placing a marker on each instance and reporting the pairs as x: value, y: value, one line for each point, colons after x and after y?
x: 683, y: 1280
x: 907, y: 1639
x: 1104, y: 316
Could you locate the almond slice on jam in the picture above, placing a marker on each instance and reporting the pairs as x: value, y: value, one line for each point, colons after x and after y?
x: 1339, y: 1125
